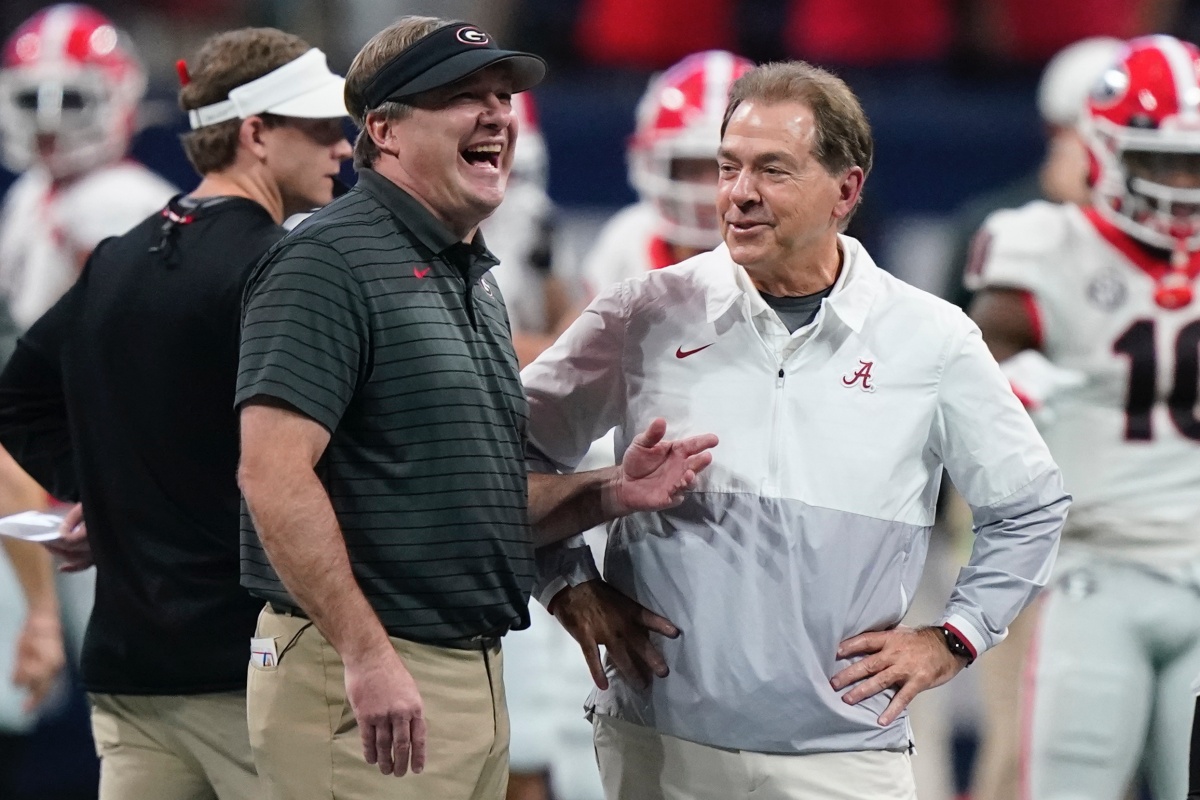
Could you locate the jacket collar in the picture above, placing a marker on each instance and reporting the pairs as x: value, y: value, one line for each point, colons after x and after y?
x: 851, y: 298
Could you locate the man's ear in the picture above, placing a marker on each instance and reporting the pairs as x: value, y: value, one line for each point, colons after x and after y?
x: 849, y: 192
x: 382, y: 132
x: 250, y: 136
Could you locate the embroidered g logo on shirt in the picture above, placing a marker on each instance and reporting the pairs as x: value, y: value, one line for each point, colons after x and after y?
x: 863, y: 374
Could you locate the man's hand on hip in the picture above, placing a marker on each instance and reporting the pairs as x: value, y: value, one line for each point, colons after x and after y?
x: 597, y: 614
x: 910, y: 659
x: 389, y: 712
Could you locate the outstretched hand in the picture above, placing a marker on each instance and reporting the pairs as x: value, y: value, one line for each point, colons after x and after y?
x: 656, y: 472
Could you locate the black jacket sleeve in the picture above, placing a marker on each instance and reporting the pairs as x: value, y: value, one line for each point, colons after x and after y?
x: 34, y: 427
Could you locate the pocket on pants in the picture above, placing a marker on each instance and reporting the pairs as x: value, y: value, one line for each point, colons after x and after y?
x: 264, y: 653
x: 105, y: 727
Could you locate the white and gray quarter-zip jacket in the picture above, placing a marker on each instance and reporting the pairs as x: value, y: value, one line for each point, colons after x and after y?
x: 812, y: 523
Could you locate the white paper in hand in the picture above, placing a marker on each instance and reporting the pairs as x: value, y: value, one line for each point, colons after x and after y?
x: 32, y: 526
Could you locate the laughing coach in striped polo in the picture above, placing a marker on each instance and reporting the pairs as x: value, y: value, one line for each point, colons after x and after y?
x: 383, y: 426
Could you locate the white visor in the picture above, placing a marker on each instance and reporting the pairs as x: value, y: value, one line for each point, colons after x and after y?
x: 303, y: 87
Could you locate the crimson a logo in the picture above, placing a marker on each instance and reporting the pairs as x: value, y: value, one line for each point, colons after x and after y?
x: 862, y: 374
x: 472, y: 36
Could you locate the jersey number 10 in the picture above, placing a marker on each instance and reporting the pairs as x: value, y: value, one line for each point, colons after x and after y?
x: 1138, y: 343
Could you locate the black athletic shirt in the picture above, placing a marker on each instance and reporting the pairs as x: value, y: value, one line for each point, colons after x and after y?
x: 122, y: 396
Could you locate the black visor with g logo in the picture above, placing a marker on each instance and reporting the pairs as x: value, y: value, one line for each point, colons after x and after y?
x: 449, y: 54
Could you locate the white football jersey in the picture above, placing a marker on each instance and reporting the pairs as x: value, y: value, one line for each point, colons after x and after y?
x: 628, y: 246
x: 1128, y: 438
x: 518, y: 234
x: 45, y: 229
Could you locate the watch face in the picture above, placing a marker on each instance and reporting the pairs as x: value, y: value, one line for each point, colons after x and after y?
x: 956, y: 645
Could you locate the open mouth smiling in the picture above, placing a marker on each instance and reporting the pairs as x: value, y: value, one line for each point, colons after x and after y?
x: 486, y: 155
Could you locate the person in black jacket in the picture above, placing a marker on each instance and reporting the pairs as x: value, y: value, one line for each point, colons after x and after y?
x: 121, y: 396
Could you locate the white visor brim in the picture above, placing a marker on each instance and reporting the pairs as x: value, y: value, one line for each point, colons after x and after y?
x: 303, y: 87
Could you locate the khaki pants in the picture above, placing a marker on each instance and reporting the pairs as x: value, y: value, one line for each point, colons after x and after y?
x: 173, y: 747
x: 306, y: 741
x: 638, y: 763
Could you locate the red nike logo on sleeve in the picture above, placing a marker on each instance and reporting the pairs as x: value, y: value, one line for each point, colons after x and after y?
x: 420, y: 273
x: 681, y: 353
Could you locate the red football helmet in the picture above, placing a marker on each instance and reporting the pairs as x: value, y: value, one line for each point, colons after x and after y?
x: 1142, y: 125
x: 69, y: 90
x: 679, y: 120
x: 530, y: 161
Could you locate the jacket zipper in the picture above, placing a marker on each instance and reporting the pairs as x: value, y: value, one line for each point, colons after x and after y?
x: 769, y: 486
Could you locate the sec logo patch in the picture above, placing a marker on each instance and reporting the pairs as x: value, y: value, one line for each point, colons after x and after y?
x: 1108, y: 291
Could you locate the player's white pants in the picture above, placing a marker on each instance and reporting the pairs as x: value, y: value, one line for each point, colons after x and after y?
x: 638, y: 763
x: 1108, y: 684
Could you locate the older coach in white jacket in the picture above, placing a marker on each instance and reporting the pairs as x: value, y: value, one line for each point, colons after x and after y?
x: 839, y: 395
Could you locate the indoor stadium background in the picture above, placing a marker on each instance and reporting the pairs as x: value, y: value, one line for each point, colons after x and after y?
x: 949, y: 87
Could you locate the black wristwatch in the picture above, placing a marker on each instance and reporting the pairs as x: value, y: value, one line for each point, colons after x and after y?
x: 956, y: 645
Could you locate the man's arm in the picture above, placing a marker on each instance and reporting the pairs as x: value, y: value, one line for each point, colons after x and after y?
x: 1006, y: 319
x: 654, y: 474
x: 575, y: 392
x: 40, y: 647
x: 300, y: 533
x: 33, y: 414
x: 18, y: 491
x: 34, y: 427
x: 1011, y: 326
x: 1001, y: 466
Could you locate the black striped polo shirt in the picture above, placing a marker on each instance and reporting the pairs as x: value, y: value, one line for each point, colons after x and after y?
x: 373, y: 320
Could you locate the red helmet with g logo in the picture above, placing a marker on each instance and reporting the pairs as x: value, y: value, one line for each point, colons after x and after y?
x: 1142, y: 125
x: 69, y: 90
x: 678, y: 119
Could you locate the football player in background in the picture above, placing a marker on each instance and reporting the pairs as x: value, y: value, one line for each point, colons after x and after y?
x: 1093, y: 315
x: 1062, y: 177
x: 521, y: 233
x: 69, y: 92
x: 70, y: 85
x: 673, y: 167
